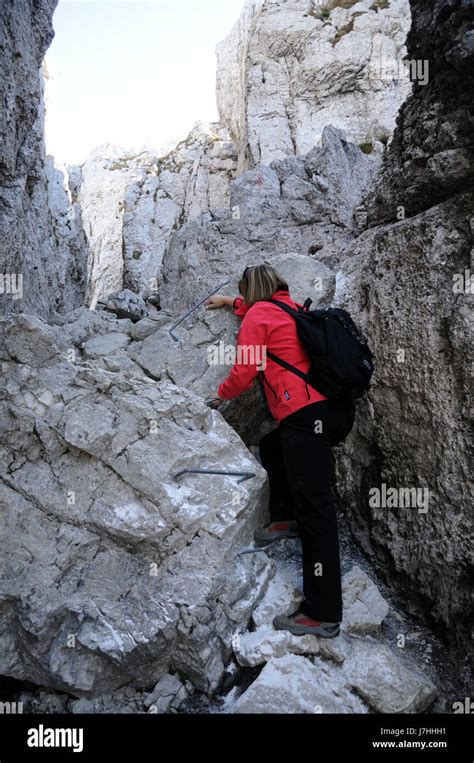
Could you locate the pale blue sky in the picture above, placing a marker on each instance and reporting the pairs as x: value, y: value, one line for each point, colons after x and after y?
x: 132, y: 72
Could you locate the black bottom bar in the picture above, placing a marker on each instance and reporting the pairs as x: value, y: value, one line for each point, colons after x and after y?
x: 156, y: 737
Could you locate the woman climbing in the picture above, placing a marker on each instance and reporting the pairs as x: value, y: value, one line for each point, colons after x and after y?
x: 297, y: 454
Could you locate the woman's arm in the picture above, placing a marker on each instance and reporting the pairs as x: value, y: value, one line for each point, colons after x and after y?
x: 237, y: 303
x: 219, y: 300
x: 251, y: 355
x: 240, y: 309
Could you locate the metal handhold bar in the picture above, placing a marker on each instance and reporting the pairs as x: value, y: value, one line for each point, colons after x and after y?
x: 244, y: 475
x: 170, y: 331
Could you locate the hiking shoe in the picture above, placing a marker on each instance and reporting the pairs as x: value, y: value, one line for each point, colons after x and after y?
x: 276, y: 531
x: 300, y: 624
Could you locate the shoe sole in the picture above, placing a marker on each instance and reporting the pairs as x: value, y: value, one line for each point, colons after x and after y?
x: 282, y: 536
x: 303, y: 630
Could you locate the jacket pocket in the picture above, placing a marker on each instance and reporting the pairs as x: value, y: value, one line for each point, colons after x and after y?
x: 269, y: 386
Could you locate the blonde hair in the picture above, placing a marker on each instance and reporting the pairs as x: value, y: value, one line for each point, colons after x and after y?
x: 260, y: 282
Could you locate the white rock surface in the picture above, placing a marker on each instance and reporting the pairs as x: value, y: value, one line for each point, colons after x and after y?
x: 364, y: 606
x: 289, y: 69
x: 307, y: 276
x: 385, y: 682
x: 90, y: 443
x: 292, y: 684
x: 282, y: 596
x: 67, y: 237
x: 265, y: 643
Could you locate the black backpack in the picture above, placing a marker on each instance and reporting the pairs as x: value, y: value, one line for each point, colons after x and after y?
x: 341, y: 362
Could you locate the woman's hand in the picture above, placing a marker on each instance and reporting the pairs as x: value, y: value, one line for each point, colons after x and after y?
x: 214, y: 402
x: 218, y: 300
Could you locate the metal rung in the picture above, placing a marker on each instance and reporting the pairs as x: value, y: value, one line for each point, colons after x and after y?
x: 243, y: 475
x: 254, y: 549
x: 170, y: 331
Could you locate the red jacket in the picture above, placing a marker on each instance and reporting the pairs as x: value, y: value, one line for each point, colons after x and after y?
x: 268, y: 327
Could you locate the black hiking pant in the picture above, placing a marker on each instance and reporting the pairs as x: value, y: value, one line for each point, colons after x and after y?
x: 298, y: 458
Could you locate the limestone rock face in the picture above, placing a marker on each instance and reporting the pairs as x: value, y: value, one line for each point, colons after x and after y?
x: 151, y: 222
x: 114, y: 569
x: 301, y: 205
x: 432, y: 156
x: 287, y: 70
x: 409, y: 284
x: 101, y: 189
x: 49, y: 271
x: 412, y: 431
x: 67, y: 235
x: 132, y: 204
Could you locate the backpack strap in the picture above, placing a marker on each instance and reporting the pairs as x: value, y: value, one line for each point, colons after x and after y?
x: 275, y: 358
x: 284, y: 307
x: 288, y: 366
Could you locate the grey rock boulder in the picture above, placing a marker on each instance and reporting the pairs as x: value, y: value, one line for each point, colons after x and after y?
x: 105, y: 344
x: 135, y: 571
x: 364, y: 609
x: 387, y: 683
x: 125, y: 304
